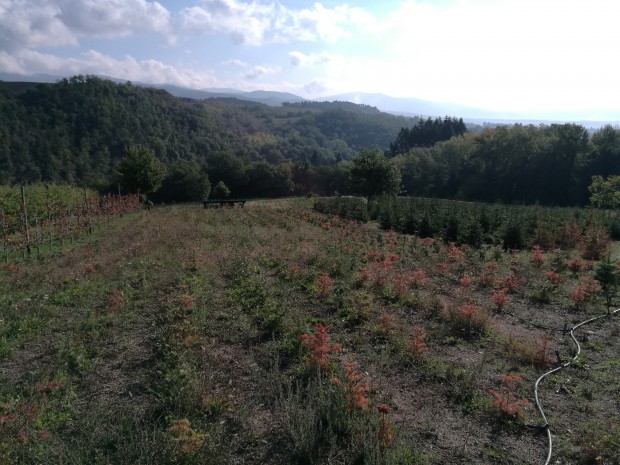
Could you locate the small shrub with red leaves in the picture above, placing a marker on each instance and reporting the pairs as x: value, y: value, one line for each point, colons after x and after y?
x: 595, y: 243
x: 576, y: 265
x: 355, y: 389
x: 554, y: 278
x: 115, y: 301
x: 386, y: 432
x: 418, y: 279
x: 417, y: 344
x: 511, y: 283
x: 465, y: 280
x: 582, y: 292
x: 387, y: 323
x: 456, y: 254
x: 488, y: 275
x: 543, y: 348
x: 500, y: 299
x: 537, y: 259
x: 324, y: 285
x: 319, y: 347
x: 506, y: 401
x: 186, y: 301
x: 293, y: 271
x: 470, y: 319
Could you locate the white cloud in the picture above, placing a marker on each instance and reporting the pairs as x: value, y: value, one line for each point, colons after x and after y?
x: 257, y: 22
x: 44, y: 24
x: 523, y: 55
x: 326, y: 24
x: 92, y: 62
x: 237, y: 62
x: 261, y: 71
x: 24, y: 25
x: 28, y: 62
x: 516, y: 55
x: 314, y: 89
x: 302, y: 59
x: 246, y: 23
x: 113, y: 18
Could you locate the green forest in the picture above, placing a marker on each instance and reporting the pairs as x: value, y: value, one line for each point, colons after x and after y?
x: 78, y: 131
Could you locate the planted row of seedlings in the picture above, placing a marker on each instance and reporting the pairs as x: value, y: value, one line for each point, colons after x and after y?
x: 477, y: 224
x: 545, y: 294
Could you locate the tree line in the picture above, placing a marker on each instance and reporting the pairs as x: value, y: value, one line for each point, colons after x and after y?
x: 426, y: 133
x: 79, y: 130
x: 519, y: 164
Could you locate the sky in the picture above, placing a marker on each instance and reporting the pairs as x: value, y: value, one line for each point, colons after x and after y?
x: 540, y: 58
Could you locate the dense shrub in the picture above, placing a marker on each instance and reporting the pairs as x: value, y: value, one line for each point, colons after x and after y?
x: 353, y: 208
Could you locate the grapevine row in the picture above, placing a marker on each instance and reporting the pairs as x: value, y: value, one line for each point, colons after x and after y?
x: 57, y: 222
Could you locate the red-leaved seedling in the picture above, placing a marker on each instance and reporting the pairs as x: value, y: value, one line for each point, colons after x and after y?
x: 538, y: 259
x: 575, y: 265
x: 115, y: 300
x: 500, y: 299
x: 417, y: 344
x: 554, y: 278
x: 186, y: 301
x: 579, y: 294
x: 419, y: 279
x: 542, y: 358
x: 506, y: 401
x: 385, y: 433
x: 319, y: 347
x: 465, y: 281
x: 324, y: 285
x: 293, y: 270
x: 387, y: 323
x: 355, y: 389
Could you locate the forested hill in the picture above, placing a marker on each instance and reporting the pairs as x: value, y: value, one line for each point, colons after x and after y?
x: 78, y: 129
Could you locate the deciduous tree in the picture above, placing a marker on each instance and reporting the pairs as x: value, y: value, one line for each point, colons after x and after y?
x: 141, y: 172
x: 372, y: 175
x: 605, y: 192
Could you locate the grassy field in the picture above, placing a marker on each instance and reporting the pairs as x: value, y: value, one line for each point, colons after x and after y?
x: 274, y: 334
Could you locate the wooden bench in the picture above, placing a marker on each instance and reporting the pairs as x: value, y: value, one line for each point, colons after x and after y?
x: 223, y: 203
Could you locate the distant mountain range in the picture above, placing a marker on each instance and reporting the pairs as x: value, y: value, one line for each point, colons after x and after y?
x: 395, y: 105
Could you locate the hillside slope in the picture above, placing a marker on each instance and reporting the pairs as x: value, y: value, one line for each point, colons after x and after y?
x: 78, y: 129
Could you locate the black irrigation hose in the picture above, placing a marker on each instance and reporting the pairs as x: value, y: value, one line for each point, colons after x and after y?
x: 543, y: 327
x: 562, y: 366
x: 546, y: 328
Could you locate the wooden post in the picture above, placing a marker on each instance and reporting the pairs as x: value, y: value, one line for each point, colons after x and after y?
x: 38, y: 235
x: 25, y: 215
x: 90, y: 226
x: 49, y: 225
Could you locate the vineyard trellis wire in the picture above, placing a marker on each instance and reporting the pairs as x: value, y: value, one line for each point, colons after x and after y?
x: 55, y: 221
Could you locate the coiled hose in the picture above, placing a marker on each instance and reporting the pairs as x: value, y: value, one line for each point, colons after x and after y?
x: 561, y: 367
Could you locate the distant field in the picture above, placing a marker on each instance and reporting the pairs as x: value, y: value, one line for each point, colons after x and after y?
x: 273, y: 334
